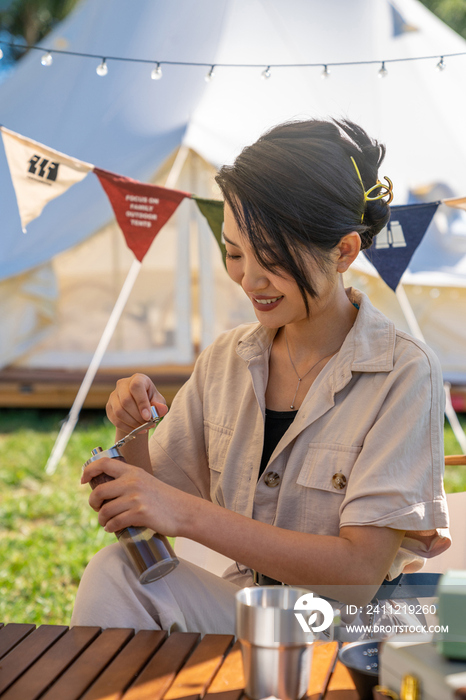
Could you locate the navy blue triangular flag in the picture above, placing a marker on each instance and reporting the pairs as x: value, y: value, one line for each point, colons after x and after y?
x: 396, y: 244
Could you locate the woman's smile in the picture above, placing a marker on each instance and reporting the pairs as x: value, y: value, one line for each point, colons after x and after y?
x: 263, y: 303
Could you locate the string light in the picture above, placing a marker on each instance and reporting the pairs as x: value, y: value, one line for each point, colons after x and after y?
x: 325, y: 73
x: 383, y: 72
x: 210, y: 75
x: 266, y: 73
x: 47, y: 59
x: 156, y: 73
x: 102, y: 68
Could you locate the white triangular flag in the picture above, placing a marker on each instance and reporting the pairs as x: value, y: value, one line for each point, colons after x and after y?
x: 39, y: 173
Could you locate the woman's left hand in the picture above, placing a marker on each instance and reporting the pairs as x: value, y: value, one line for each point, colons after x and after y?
x: 136, y: 498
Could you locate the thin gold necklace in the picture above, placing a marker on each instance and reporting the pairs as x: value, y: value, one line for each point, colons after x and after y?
x: 300, y: 379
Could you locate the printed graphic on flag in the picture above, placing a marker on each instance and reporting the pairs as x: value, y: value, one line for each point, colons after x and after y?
x: 396, y: 244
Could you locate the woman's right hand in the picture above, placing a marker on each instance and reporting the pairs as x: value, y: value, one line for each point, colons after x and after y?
x: 129, y: 404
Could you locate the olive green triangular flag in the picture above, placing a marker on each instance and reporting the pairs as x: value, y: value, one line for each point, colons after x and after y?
x: 212, y: 209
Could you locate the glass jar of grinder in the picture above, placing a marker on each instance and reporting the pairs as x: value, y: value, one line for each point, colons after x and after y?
x: 150, y: 554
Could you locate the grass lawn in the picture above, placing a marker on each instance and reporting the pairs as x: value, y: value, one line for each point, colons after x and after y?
x: 47, y: 530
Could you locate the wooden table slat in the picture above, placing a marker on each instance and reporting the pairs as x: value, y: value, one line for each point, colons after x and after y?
x: 84, y: 671
x: 228, y: 683
x: 114, y: 680
x: 51, y: 664
x: 23, y: 655
x: 161, y: 670
x: 86, y: 663
x: 340, y: 684
x: 11, y: 635
x: 323, y: 657
x: 197, y: 674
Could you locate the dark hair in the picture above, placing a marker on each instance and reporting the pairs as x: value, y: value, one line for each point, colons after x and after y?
x: 296, y: 188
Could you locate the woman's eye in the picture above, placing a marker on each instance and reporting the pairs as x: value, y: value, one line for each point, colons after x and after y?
x: 229, y: 256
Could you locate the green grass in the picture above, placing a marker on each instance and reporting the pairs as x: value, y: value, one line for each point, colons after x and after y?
x: 48, y: 532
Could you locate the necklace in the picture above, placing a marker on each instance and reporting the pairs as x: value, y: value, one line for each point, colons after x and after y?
x: 300, y: 379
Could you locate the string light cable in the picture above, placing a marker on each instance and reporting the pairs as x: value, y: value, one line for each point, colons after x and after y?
x: 265, y: 68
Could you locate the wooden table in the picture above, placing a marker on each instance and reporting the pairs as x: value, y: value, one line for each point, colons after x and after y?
x: 54, y: 662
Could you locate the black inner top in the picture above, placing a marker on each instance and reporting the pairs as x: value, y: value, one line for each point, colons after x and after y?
x: 276, y: 425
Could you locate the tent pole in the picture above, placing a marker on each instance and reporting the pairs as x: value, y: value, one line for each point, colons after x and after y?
x: 417, y: 333
x: 183, y: 287
x: 70, y: 423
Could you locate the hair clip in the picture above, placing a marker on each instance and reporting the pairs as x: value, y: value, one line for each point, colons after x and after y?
x: 387, y: 189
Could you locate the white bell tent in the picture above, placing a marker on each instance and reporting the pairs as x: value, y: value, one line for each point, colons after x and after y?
x: 59, y: 281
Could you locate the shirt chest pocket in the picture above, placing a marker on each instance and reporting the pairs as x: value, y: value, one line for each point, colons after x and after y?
x: 217, y: 440
x: 327, y: 467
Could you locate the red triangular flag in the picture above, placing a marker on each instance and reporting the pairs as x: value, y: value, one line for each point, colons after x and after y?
x: 140, y: 209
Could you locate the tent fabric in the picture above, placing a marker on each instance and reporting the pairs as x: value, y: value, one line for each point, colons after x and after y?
x: 28, y: 309
x: 88, y: 277
x: 129, y: 124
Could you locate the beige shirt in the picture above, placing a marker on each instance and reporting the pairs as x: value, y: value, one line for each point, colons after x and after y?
x: 365, y: 448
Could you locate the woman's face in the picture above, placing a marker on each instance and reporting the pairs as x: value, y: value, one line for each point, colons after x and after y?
x: 276, y: 299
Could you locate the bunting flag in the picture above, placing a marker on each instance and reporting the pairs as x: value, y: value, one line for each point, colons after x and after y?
x: 140, y: 209
x: 400, y: 26
x: 39, y: 174
x: 456, y: 202
x: 396, y: 244
x: 212, y: 209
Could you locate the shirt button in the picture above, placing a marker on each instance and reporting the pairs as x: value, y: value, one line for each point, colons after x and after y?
x: 271, y: 479
x: 339, y: 481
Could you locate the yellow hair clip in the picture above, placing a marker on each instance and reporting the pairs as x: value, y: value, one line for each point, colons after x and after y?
x: 388, y: 189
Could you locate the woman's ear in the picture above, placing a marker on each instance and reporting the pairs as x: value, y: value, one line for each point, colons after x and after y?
x: 348, y: 249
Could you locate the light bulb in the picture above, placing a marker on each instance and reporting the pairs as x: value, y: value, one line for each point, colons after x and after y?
x: 441, y: 64
x: 47, y: 59
x: 383, y: 72
x: 1, y: 54
x: 210, y: 75
x: 266, y: 73
x: 156, y: 73
x: 102, y: 68
x: 325, y: 73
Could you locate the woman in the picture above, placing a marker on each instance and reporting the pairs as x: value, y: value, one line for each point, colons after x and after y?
x: 306, y: 447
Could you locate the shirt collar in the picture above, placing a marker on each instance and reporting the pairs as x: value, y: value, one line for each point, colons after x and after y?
x: 256, y: 342
x: 368, y: 347
x: 370, y: 344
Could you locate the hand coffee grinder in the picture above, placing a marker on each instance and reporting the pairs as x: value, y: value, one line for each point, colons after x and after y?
x: 150, y: 554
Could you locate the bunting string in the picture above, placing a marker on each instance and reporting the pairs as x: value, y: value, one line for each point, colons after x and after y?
x: 40, y: 174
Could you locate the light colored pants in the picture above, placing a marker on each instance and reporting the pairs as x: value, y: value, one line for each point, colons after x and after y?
x: 188, y: 599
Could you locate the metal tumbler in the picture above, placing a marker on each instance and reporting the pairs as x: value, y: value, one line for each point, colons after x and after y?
x: 277, y: 653
x: 150, y: 554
